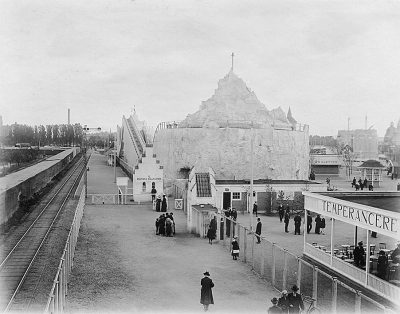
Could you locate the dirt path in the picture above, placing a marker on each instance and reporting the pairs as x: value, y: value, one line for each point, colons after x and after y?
x: 121, y: 265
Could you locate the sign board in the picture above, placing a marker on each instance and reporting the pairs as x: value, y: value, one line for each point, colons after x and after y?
x: 122, y: 181
x: 325, y: 160
x: 178, y: 203
x: 148, y: 178
x: 285, y: 195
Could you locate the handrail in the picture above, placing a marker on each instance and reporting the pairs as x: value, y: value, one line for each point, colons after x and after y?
x: 56, y: 299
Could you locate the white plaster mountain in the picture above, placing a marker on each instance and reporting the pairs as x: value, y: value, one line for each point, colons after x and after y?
x: 234, y: 103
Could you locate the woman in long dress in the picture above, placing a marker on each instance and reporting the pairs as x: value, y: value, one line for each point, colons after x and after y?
x: 235, y: 249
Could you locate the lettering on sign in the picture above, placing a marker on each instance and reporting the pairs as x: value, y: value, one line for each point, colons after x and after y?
x: 148, y: 178
x: 362, y: 216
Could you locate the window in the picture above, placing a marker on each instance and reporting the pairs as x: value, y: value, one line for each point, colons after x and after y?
x: 236, y: 196
x: 144, y: 187
x: 203, y: 185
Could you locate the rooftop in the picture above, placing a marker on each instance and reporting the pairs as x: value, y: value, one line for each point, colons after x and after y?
x: 383, y: 200
x: 264, y: 181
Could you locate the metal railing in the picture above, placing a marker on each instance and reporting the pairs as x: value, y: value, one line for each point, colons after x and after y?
x: 284, y: 269
x: 56, y: 301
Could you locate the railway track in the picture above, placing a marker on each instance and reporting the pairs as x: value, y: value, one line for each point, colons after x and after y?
x: 15, y: 267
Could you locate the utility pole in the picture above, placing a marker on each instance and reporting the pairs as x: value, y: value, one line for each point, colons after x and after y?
x: 252, y: 175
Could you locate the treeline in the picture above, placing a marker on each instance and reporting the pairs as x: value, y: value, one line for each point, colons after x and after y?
x: 40, y: 135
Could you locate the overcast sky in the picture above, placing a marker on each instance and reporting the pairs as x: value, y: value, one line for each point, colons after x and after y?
x: 327, y: 60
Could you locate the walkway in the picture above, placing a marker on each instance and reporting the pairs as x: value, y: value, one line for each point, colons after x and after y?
x: 121, y: 265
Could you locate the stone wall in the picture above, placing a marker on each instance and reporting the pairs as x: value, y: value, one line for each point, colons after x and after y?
x: 278, y: 154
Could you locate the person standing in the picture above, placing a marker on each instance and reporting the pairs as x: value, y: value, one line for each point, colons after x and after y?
x: 297, y: 224
x: 358, y: 254
x: 235, y: 249
x: 164, y: 205
x: 157, y: 225
x: 309, y: 222
x: 281, y: 212
x: 206, y: 296
x: 258, y: 230
x: 354, y: 182
x: 153, y: 194
x: 274, y: 309
x: 210, y: 234
x: 161, y: 225
x: 323, y: 224
x: 382, y: 265
x: 255, y: 208
x: 283, y: 302
x: 317, y: 224
x: 158, y: 203
x: 286, y: 220
x: 295, y: 301
x: 365, y: 183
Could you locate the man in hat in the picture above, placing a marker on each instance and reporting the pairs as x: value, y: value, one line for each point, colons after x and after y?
x: 295, y: 301
x: 274, y: 309
x: 158, y: 203
x: 255, y: 208
x: 164, y: 205
x: 258, y: 230
x: 358, y: 254
x: 206, y: 297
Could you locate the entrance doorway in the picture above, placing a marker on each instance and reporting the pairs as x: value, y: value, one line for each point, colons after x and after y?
x: 226, y: 200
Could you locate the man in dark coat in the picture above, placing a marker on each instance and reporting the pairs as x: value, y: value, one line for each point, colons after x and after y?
x: 297, y: 224
x: 318, y: 224
x: 164, y: 204
x: 161, y: 225
x: 354, y: 182
x: 255, y: 208
x: 258, y: 230
x: 281, y: 212
x: 358, y: 254
x: 287, y: 218
x: 158, y: 203
x: 206, y: 297
x: 295, y: 301
x: 283, y: 302
x: 309, y: 222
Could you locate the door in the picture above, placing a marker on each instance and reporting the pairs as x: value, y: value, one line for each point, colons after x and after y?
x: 226, y: 200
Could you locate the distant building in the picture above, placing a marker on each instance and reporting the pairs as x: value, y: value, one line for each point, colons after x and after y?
x: 364, y: 142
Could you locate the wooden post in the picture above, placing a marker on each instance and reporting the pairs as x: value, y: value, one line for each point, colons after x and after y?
x: 299, y: 273
x: 245, y: 245
x: 315, y: 284
x: 334, y: 295
x: 357, y: 309
x: 284, y: 274
x: 262, y: 261
x: 273, y: 265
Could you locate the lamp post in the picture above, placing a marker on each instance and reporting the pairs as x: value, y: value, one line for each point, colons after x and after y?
x: 85, y: 129
x: 251, y: 177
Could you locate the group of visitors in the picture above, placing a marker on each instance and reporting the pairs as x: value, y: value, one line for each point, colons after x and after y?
x: 319, y: 224
x: 165, y: 225
x: 287, y: 303
x: 361, y: 185
x: 284, y: 215
x: 161, y: 204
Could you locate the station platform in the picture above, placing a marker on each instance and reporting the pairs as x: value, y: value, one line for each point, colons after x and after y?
x: 121, y: 265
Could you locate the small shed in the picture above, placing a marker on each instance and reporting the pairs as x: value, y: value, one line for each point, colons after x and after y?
x: 372, y: 171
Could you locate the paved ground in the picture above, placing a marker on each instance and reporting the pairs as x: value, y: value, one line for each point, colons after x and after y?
x: 122, y: 266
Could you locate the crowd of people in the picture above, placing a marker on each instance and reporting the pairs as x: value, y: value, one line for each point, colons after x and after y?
x: 361, y: 184
x: 287, y: 303
x: 165, y: 225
